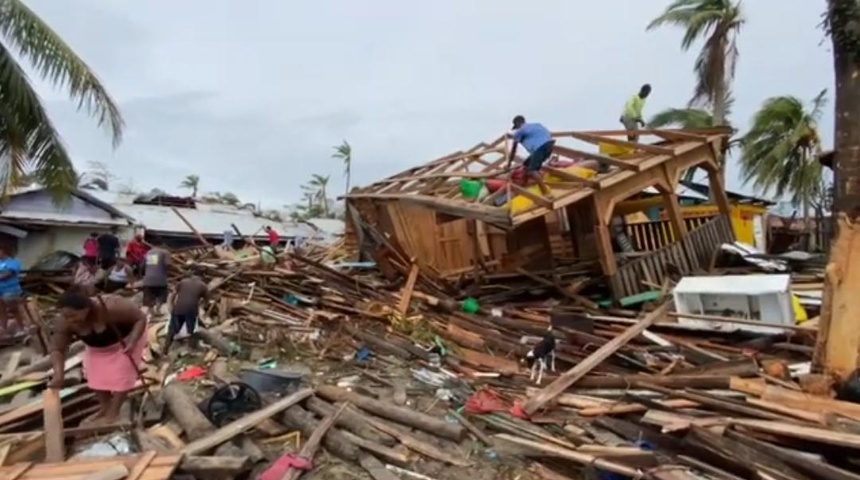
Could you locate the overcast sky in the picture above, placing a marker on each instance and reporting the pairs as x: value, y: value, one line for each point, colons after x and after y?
x: 252, y: 95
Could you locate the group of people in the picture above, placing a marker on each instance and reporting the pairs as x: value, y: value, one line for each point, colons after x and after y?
x: 113, y: 327
x: 539, y: 143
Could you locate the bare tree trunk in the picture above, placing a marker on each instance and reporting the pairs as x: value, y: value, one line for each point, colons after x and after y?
x: 838, y: 347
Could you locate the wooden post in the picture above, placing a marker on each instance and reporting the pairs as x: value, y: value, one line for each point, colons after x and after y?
x: 718, y: 191
x: 55, y: 446
x: 673, y: 211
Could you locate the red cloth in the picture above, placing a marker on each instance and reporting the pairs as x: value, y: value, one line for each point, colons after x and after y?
x: 274, y: 238
x: 135, y: 252
x: 109, y: 369
x: 283, y: 465
x: 488, y: 401
x: 190, y: 373
x: 91, y: 247
x: 485, y: 401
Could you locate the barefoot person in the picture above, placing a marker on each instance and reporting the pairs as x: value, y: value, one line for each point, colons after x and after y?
x: 537, y: 140
x: 631, y: 117
x: 185, y: 306
x: 113, y: 330
x: 10, y: 293
x: 155, y: 276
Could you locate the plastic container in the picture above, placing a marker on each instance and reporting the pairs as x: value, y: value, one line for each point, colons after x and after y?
x: 470, y: 305
x: 265, y: 381
x: 470, y: 188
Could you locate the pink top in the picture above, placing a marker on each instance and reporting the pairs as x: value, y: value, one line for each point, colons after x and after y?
x: 91, y: 247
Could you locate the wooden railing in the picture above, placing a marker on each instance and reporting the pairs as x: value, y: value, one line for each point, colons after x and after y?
x: 650, y: 236
x: 687, y: 256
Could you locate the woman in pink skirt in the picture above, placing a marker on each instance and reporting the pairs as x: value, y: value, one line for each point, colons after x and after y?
x: 113, y: 330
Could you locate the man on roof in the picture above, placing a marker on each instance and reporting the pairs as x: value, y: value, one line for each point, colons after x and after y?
x: 537, y: 140
x: 631, y: 117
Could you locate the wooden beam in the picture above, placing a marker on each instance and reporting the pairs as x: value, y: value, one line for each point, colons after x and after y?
x: 597, y: 357
x: 676, y: 218
x: 598, y: 139
x: 576, y: 154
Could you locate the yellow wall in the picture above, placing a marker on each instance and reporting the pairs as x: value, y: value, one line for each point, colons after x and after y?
x: 743, y: 219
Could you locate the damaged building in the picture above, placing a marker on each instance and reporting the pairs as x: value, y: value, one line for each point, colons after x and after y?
x: 465, y: 217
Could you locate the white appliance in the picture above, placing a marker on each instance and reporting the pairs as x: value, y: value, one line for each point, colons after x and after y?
x: 765, y: 298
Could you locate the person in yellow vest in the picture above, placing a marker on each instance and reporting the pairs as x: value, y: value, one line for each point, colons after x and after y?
x: 631, y: 117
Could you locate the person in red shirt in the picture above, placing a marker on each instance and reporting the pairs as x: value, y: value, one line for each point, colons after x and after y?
x: 91, y: 247
x: 274, y: 238
x: 135, y: 252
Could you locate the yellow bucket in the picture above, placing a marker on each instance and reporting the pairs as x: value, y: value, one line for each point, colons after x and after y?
x: 612, y: 150
x: 521, y: 203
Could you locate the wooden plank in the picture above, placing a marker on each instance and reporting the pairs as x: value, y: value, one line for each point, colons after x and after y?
x: 141, y: 466
x: 55, y: 440
x: 15, y: 472
x: 785, y: 429
x: 114, y: 472
x: 244, y: 424
x: 608, y: 349
x: 406, y: 293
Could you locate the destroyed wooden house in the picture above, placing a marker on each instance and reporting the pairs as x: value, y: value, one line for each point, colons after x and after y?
x: 434, y: 216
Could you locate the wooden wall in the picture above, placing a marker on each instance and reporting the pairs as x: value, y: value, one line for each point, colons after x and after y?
x: 453, y: 247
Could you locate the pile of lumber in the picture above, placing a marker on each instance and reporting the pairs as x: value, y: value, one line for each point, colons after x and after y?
x: 636, y: 394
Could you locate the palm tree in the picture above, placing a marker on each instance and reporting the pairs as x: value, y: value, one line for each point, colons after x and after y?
x: 191, y: 182
x: 839, y: 312
x: 343, y: 152
x: 229, y: 198
x: 780, y: 151
x: 718, y: 23
x: 320, y: 183
x: 29, y: 141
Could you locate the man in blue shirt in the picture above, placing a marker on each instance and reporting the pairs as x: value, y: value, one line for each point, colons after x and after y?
x: 537, y: 140
x: 10, y: 292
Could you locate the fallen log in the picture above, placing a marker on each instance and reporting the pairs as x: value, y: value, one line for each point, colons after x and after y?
x: 214, y: 468
x: 309, y: 449
x: 389, y: 411
x: 300, y: 419
x: 350, y: 421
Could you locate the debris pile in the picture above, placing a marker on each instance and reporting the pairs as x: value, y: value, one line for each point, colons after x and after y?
x: 339, y: 373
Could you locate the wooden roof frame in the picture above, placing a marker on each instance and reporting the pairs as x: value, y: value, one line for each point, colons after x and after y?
x: 437, y: 183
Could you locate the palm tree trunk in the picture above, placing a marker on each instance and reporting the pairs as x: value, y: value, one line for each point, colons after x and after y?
x: 837, y: 349
x: 324, y: 202
x: 720, y: 90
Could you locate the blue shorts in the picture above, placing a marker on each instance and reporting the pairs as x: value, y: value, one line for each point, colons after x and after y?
x: 12, y: 295
x: 539, y: 156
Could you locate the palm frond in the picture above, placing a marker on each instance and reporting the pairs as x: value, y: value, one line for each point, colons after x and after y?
x: 57, y: 63
x: 28, y: 140
x: 781, y: 148
x: 682, y: 118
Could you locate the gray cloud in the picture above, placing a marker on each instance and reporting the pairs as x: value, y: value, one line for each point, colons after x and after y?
x: 253, y: 95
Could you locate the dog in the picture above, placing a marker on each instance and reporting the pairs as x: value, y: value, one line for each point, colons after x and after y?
x: 537, y: 357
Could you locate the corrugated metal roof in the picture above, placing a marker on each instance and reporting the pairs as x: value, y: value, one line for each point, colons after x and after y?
x: 62, y: 218
x: 209, y: 219
x: 163, y: 219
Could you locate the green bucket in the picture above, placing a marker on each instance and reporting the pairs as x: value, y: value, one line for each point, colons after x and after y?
x: 470, y: 189
x: 470, y: 305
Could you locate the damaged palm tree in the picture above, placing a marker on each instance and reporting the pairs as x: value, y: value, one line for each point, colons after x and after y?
x: 29, y: 142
